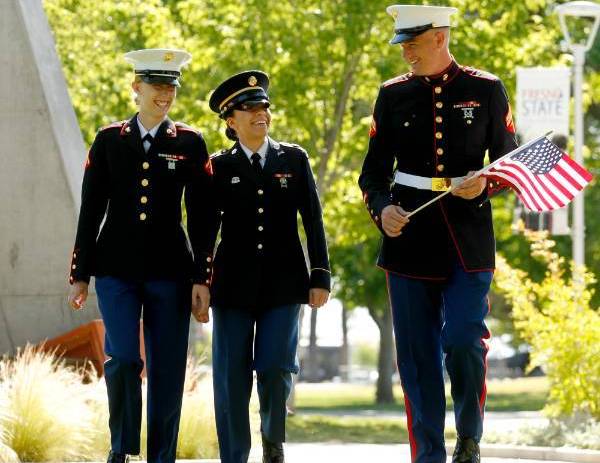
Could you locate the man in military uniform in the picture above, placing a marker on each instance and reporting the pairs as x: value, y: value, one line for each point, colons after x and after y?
x: 260, y: 275
x: 135, y: 175
x: 433, y: 126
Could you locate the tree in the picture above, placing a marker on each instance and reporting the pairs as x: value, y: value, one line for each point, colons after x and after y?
x: 326, y: 60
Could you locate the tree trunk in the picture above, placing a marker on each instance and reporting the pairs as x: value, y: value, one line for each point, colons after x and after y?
x: 345, y: 354
x: 312, y: 367
x: 384, y: 392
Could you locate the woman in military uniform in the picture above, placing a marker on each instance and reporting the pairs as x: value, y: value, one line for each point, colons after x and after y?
x: 134, y: 179
x: 260, y: 274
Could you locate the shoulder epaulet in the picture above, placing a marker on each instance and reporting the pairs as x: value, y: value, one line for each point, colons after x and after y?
x: 113, y: 125
x: 218, y: 153
x: 398, y: 80
x: 478, y: 73
x: 294, y: 146
x: 186, y: 128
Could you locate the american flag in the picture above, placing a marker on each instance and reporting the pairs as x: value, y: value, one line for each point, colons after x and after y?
x: 544, y: 177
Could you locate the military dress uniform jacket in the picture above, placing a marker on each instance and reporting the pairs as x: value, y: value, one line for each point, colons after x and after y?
x: 436, y: 127
x: 259, y: 261
x: 139, y: 194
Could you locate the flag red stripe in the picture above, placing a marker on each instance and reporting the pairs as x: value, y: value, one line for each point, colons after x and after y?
x: 536, y: 184
x: 568, y: 196
x: 567, y: 176
x: 520, y: 190
x: 577, y: 168
x: 527, y: 184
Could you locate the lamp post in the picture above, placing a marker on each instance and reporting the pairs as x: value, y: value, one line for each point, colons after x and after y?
x: 578, y: 49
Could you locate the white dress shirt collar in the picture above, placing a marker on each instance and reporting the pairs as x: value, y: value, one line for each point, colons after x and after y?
x: 262, y: 151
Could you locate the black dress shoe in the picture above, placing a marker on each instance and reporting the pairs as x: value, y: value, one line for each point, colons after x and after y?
x: 466, y: 451
x: 272, y: 451
x: 114, y: 457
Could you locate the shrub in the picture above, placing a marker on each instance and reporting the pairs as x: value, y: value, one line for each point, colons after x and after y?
x: 51, y: 412
x: 43, y: 402
x: 555, y: 317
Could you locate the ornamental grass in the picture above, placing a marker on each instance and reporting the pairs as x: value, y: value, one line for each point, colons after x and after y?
x: 50, y: 411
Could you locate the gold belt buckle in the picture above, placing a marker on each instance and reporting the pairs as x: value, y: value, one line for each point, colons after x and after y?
x: 440, y: 184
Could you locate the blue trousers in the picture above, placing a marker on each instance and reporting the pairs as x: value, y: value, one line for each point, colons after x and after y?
x: 244, y: 341
x: 166, y: 314
x: 436, y: 321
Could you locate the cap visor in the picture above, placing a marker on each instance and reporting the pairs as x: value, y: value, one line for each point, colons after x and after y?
x: 253, y: 103
x: 169, y: 80
x: 402, y: 37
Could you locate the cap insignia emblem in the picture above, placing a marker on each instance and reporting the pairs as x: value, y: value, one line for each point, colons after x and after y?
x: 252, y: 81
x: 168, y: 57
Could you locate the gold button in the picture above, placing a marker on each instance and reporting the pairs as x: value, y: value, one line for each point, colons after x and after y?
x: 207, y: 281
x: 469, y: 121
x: 146, y: 165
x: 438, y: 90
x: 208, y: 259
x: 440, y: 167
x: 260, y: 228
x: 145, y: 182
x: 438, y: 135
x: 260, y: 246
x: 208, y: 269
x: 445, y: 77
x: 427, y: 79
x: 406, y: 124
x: 74, y: 256
x: 439, y: 105
x: 144, y: 199
x: 73, y: 266
x: 260, y: 192
x: 143, y: 216
x: 439, y: 151
x: 439, y: 119
x: 260, y: 210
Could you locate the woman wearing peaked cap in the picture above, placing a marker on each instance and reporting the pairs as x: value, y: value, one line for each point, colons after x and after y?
x: 134, y: 179
x: 260, y: 275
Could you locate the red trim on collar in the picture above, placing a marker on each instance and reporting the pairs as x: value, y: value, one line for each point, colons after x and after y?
x: 478, y: 73
x: 124, y: 130
x: 399, y: 79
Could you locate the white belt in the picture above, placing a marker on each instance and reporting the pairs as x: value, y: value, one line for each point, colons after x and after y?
x: 427, y: 183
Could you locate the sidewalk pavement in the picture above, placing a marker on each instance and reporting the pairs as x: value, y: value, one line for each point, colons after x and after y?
x: 360, y: 453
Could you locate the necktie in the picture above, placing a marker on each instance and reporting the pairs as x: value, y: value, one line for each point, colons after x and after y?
x: 256, y: 163
x: 147, y: 141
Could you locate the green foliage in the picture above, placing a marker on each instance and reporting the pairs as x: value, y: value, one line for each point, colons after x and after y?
x: 556, y: 318
x: 364, y: 354
x: 574, y: 432
x: 50, y: 412
x: 326, y: 61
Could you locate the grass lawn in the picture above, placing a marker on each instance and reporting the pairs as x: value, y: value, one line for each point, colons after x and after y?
x: 326, y: 399
x: 318, y: 428
x: 522, y: 394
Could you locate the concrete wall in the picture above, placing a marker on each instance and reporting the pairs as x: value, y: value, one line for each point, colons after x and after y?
x: 41, y: 166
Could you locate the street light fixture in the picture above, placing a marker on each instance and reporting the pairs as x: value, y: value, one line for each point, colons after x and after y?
x: 579, y: 9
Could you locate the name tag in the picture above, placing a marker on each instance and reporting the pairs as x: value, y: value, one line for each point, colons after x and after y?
x: 172, y: 159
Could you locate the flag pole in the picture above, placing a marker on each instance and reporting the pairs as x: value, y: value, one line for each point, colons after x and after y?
x: 478, y: 173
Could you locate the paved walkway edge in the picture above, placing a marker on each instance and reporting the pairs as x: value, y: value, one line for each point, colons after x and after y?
x: 571, y: 455
x: 537, y: 453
